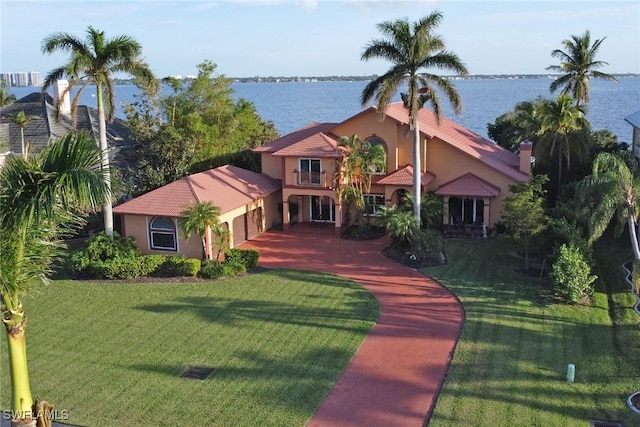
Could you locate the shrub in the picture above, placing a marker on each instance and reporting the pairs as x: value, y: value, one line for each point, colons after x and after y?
x: 102, y: 247
x: 248, y: 257
x: 211, y: 269
x: 571, y: 274
x: 179, y: 265
x: 233, y: 269
x: 103, y: 255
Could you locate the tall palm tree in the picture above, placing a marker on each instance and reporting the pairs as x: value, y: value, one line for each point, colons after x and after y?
x: 560, y: 121
x: 199, y: 218
x: 412, y: 47
x: 577, y: 63
x: 22, y: 120
x: 42, y: 200
x: 618, y: 193
x: 5, y: 97
x: 93, y: 61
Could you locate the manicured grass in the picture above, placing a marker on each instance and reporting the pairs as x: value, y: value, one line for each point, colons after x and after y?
x: 509, y: 368
x: 112, y: 354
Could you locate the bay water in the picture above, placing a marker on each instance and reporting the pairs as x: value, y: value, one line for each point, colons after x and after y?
x: 292, y: 105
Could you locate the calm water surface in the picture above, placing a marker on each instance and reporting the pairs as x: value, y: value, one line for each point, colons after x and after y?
x: 293, y: 105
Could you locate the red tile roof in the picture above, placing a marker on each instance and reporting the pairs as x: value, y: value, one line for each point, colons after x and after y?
x: 404, y: 176
x: 316, y: 145
x: 228, y: 187
x: 468, y: 185
x: 294, y: 137
x: 463, y: 139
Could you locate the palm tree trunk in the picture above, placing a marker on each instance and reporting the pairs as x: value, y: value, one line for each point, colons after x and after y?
x: 559, y: 168
x: 417, y: 182
x: 24, y: 151
x: 634, y: 237
x: 21, y: 399
x: 102, y: 127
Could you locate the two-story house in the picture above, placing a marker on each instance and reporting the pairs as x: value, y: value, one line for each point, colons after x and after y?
x: 297, y: 182
x: 471, y: 173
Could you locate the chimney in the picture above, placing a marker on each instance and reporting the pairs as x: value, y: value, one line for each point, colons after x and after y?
x: 58, y: 90
x: 525, y: 157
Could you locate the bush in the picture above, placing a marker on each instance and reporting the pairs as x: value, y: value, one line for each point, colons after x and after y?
x: 571, y: 274
x: 233, y: 269
x: 211, y: 269
x: 179, y: 265
x: 248, y: 257
x: 102, y: 247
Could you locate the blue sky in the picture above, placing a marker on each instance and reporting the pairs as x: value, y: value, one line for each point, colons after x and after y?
x: 319, y: 37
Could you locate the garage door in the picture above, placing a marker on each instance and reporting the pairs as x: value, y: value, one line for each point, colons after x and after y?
x: 239, y: 229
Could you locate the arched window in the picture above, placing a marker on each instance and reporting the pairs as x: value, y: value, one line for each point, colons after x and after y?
x: 375, y: 140
x: 162, y: 234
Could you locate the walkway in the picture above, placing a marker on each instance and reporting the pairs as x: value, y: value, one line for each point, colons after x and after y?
x: 395, y: 376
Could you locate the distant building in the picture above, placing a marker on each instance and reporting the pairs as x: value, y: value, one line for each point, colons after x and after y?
x: 22, y: 78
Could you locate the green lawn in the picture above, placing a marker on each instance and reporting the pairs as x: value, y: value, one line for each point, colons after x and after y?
x: 509, y: 368
x: 112, y: 354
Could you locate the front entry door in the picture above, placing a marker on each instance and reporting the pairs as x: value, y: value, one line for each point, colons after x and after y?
x: 322, y: 209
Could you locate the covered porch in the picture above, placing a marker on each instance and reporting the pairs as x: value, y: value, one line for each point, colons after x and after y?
x: 311, y: 210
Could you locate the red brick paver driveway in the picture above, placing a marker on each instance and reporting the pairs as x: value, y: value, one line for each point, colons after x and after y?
x: 395, y: 376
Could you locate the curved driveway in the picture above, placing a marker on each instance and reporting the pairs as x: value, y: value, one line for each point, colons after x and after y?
x: 395, y: 376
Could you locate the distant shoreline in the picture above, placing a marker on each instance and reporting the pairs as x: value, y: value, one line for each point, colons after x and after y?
x: 313, y: 79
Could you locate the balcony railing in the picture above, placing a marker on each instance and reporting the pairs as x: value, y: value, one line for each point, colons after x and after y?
x: 309, y: 178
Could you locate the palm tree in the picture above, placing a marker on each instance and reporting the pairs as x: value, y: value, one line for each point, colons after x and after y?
x: 43, y: 200
x: 577, y: 62
x: 560, y: 120
x: 360, y: 162
x: 5, y: 97
x: 93, y: 61
x: 618, y: 191
x: 199, y: 218
x: 411, y: 48
x: 21, y: 119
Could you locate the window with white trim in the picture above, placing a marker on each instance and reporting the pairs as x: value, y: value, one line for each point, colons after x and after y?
x: 309, y: 172
x: 373, y: 203
x: 162, y: 234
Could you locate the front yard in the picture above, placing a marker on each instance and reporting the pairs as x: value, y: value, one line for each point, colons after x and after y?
x: 112, y: 354
x: 510, y: 364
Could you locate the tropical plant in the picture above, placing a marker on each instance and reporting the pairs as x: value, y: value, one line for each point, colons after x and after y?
x: 94, y: 61
x: 411, y: 48
x: 21, y: 119
x: 359, y: 163
x: 612, y: 190
x: 562, y: 123
x: 513, y: 127
x: 199, y: 218
x: 523, y: 212
x: 5, y: 97
x: 43, y: 200
x: 578, y: 63
x: 430, y: 209
x: 571, y: 274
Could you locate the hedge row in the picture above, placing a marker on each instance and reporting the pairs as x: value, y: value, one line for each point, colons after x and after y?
x: 119, y: 258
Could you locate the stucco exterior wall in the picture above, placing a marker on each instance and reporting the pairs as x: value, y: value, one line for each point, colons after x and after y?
x: 448, y: 163
x: 137, y: 226
x: 271, y: 165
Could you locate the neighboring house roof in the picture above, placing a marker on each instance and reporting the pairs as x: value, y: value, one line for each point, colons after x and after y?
x: 228, y: 187
x: 404, y: 176
x: 468, y: 185
x: 634, y: 119
x: 43, y: 126
x: 294, y: 137
x: 456, y: 135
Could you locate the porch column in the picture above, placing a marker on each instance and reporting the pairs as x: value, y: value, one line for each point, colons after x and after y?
x: 285, y: 215
x: 445, y: 210
x: 208, y: 252
x: 487, y: 212
x: 338, y: 220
